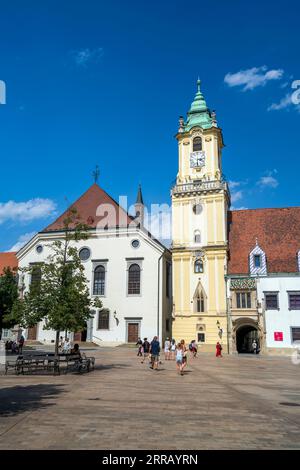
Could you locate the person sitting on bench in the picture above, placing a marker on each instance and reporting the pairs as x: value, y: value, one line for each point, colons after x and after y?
x: 75, y: 350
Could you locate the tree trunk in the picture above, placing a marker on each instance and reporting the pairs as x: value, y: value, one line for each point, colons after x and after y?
x: 56, y: 343
x: 1, y: 323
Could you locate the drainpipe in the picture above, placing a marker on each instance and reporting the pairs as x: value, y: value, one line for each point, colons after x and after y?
x: 227, y: 314
x: 158, y: 293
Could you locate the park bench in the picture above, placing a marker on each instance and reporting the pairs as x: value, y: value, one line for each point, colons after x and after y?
x: 51, y: 363
x: 79, y: 363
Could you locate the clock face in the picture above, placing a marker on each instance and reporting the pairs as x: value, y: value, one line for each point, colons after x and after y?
x: 197, y: 159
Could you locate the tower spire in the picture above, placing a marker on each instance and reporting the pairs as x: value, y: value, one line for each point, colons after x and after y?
x: 139, y: 207
x: 139, y: 198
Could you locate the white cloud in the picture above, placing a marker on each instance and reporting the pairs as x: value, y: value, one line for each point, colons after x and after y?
x: 239, y: 208
x: 83, y: 57
x: 252, y: 78
x: 234, y: 184
x: 268, y: 181
x: 26, y: 211
x: 236, y: 196
x: 285, y: 103
x: 22, y: 240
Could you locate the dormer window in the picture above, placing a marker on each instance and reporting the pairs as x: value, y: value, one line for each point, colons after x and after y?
x: 257, y: 261
x: 197, y: 144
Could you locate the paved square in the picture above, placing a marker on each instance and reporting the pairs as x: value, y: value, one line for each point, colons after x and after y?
x: 238, y: 402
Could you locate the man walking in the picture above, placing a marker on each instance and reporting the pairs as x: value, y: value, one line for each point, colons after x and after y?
x: 146, y: 349
x: 154, y: 351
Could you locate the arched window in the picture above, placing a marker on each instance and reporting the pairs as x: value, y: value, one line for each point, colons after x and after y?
x: 99, y: 280
x: 197, y: 144
x: 198, y: 266
x: 197, y: 236
x: 134, y: 279
x: 200, y: 303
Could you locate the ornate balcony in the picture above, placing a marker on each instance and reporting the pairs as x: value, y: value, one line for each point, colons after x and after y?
x: 199, y: 186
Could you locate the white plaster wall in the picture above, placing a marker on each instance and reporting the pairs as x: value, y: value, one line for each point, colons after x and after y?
x: 115, y: 249
x: 282, y: 319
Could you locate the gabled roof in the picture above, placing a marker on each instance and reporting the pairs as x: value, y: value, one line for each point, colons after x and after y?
x: 277, y: 232
x: 109, y: 215
x: 8, y: 260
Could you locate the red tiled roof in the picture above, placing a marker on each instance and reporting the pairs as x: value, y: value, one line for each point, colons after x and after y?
x: 277, y: 232
x: 110, y: 214
x: 8, y: 260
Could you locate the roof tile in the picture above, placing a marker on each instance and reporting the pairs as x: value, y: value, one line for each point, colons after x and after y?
x: 277, y: 232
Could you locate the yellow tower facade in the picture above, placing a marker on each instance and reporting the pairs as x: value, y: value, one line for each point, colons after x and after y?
x: 200, y: 200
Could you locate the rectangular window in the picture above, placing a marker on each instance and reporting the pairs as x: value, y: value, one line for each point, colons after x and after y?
x: 36, y: 276
x: 257, y: 261
x: 167, y: 324
x: 134, y: 279
x: 201, y: 337
x: 294, y: 300
x: 103, y: 320
x: 271, y: 301
x: 296, y: 334
x: 243, y: 299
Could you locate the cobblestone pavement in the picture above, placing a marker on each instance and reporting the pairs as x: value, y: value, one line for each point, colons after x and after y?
x: 237, y: 402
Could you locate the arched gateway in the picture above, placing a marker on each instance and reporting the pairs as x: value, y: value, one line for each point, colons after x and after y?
x: 245, y: 331
x: 245, y: 336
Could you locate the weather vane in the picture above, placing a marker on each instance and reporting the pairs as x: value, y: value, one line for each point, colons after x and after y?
x: 96, y: 174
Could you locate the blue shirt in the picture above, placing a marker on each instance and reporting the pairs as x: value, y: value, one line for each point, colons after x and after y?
x: 155, y: 348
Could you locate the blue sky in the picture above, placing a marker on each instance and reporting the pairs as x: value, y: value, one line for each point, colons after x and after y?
x: 104, y: 83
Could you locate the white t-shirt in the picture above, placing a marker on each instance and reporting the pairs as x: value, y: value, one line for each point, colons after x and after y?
x: 179, y: 355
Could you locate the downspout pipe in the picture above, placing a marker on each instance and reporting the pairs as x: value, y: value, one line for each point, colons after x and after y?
x: 227, y: 314
x: 158, y: 292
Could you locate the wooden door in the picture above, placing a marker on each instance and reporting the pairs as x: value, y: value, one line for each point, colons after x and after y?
x: 133, y: 332
x: 32, y: 333
x: 77, y: 336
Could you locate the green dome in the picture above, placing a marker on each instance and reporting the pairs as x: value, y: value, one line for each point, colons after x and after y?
x: 199, y: 114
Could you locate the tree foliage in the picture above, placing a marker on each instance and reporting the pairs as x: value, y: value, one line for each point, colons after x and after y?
x: 8, y: 296
x: 61, y: 296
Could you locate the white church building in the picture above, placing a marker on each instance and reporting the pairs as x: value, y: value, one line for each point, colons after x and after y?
x: 125, y: 266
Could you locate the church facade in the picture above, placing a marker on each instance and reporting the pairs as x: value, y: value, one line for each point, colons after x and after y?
x: 125, y: 267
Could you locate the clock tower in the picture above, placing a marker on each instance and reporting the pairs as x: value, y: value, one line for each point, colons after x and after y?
x: 200, y: 200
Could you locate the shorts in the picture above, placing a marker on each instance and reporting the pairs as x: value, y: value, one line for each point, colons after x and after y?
x: 154, y: 357
x: 179, y: 362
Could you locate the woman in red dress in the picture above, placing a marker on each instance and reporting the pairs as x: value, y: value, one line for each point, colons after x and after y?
x: 218, y: 350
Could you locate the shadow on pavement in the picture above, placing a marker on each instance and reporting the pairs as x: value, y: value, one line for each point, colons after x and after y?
x: 110, y: 366
x: 19, y: 399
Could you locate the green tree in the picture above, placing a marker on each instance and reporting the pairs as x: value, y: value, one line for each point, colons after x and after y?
x: 60, y: 296
x: 8, y: 296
